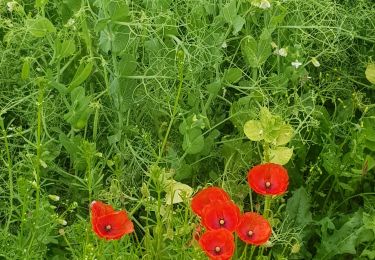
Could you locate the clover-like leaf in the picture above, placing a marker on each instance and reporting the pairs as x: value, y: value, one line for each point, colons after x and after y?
x: 285, y: 134
x: 281, y: 155
x: 254, y: 130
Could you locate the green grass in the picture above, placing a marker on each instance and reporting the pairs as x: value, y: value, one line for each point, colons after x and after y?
x: 105, y: 100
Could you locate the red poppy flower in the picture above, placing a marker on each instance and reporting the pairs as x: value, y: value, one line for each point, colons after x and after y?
x: 108, y: 223
x: 253, y: 229
x: 268, y: 179
x: 218, y: 244
x: 206, y: 197
x: 221, y: 214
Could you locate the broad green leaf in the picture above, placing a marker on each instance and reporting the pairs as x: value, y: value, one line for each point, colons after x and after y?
x: 40, y: 26
x: 193, y: 141
x: 298, y: 208
x: 341, y: 241
x: 214, y: 88
x: 177, y: 192
x: 82, y: 73
x: 67, y: 48
x: 230, y: 11
x: 256, y: 52
x: 237, y: 24
x: 79, y: 111
x: 127, y: 65
x: 249, y: 48
x: 232, y: 75
x: 253, y: 129
x: 285, y: 134
x: 281, y: 155
x: 370, y: 73
x: 119, y: 11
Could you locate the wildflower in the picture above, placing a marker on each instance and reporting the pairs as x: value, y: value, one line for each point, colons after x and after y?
x: 108, y: 223
x: 315, y: 62
x: 296, y: 64
x: 253, y: 229
x: 264, y: 4
x: 206, y: 197
x: 62, y: 222
x: 283, y: 52
x: 221, y: 214
x: 268, y: 179
x: 218, y: 244
x: 11, y: 6
x: 54, y: 197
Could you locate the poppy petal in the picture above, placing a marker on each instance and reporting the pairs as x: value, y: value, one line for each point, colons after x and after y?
x: 253, y: 229
x: 114, y: 225
x: 206, y: 197
x: 99, y: 209
x: 221, y: 214
x: 218, y: 244
x: 268, y: 179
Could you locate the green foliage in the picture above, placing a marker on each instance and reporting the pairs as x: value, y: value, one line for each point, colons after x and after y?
x: 134, y: 102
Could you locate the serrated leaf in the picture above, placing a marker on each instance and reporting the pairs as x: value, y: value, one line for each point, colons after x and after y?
x: 341, y: 241
x: 370, y: 73
x: 298, y: 208
x: 253, y: 129
x: 281, y: 155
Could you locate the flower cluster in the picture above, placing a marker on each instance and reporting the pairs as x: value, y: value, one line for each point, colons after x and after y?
x: 221, y: 217
x: 108, y: 223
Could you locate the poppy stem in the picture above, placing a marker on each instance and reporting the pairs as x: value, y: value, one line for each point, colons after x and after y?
x: 267, y: 206
x: 266, y: 152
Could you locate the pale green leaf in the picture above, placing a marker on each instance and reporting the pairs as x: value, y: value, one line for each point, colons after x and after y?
x: 370, y: 73
x: 281, y: 155
x: 285, y: 134
x: 253, y: 130
x: 177, y: 192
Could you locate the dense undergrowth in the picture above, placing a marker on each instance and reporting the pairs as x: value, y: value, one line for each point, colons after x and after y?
x: 108, y: 100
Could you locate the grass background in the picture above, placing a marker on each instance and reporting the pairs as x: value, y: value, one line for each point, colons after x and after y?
x: 100, y: 98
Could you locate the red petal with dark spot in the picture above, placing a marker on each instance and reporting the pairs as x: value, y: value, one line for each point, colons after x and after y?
x: 259, y: 227
x: 220, y: 238
x: 268, y: 179
x: 221, y: 211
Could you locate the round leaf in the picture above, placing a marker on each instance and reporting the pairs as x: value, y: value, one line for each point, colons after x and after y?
x: 253, y: 130
x: 285, y: 134
x: 370, y: 73
x: 281, y: 155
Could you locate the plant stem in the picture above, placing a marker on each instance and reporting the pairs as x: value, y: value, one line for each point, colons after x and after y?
x: 180, y: 59
x: 39, y: 142
x: 10, y: 174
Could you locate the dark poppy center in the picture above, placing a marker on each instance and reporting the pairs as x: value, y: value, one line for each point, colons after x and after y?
x: 217, y: 249
x: 108, y: 228
x: 250, y: 233
x: 267, y: 184
x: 221, y: 222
